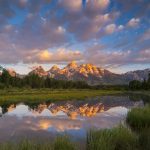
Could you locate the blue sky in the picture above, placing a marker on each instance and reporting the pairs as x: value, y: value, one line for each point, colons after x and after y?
x: 112, y: 34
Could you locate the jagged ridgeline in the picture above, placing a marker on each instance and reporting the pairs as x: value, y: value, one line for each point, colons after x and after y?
x: 90, y: 73
x: 85, y: 73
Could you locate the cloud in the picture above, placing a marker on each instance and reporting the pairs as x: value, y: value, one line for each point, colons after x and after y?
x: 71, y: 5
x: 145, y: 36
x: 60, y: 55
x: 111, y: 28
x: 97, y: 5
x: 90, y: 5
x: 84, y: 24
x: 98, y: 54
x: 134, y: 22
x: 144, y: 56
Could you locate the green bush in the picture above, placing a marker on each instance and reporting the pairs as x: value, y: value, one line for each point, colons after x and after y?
x: 139, y: 118
x: 119, y: 138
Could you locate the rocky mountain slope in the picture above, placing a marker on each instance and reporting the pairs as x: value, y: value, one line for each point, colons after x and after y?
x: 90, y: 73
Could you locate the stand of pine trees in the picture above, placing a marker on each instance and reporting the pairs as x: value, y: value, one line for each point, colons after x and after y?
x: 140, y: 85
x: 35, y: 81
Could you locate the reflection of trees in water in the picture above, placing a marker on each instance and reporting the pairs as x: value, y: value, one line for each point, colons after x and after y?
x: 72, y: 109
x: 140, y: 97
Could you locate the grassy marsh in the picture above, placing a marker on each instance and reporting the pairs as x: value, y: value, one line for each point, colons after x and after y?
x: 50, y: 94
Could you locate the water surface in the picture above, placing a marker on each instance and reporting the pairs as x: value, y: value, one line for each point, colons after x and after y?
x: 48, y: 119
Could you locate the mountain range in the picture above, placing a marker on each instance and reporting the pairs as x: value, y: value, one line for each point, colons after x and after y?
x: 90, y: 73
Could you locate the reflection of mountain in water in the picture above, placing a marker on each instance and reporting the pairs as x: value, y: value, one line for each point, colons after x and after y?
x: 70, y: 110
x: 73, y: 109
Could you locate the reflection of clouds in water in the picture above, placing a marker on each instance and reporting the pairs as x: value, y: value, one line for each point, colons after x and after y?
x: 118, y: 111
x: 42, y: 126
x: 59, y: 125
x: 20, y: 110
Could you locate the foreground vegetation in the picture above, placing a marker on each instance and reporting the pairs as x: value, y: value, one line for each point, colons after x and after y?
x: 119, y: 138
x: 61, y: 143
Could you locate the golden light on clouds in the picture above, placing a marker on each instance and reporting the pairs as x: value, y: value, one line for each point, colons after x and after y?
x: 45, y: 55
x: 59, y: 55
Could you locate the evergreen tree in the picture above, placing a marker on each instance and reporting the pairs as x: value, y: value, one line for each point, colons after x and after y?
x: 5, y: 77
x: 135, y: 85
x: 144, y: 85
x: 148, y: 81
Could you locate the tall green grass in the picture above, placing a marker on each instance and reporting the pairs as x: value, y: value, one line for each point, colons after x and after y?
x: 119, y: 138
x: 139, y: 118
x: 61, y: 143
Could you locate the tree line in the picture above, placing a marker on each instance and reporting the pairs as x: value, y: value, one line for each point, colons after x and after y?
x: 140, y: 85
x: 35, y: 81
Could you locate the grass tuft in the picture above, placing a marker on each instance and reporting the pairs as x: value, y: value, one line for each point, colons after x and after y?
x: 139, y: 118
x: 119, y: 138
